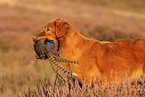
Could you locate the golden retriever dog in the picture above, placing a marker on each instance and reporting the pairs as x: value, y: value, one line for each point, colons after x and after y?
x: 110, y: 60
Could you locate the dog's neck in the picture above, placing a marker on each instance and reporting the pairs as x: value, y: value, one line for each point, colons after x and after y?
x: 69, y: 41
x: 74, y: 41
x: 77, y: 45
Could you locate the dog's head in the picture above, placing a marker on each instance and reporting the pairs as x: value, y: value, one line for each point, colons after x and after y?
x: 54, y: 33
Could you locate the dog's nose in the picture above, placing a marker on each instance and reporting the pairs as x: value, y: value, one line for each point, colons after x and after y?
x: 33, y: 37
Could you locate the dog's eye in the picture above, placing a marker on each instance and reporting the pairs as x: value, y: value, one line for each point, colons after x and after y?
x: 47, y: 29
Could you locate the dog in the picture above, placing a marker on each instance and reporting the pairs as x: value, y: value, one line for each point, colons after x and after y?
x: 109, y: 60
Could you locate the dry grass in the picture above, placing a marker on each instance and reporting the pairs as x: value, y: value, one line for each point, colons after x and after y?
x: 20, y: 20
x: 72, y: 89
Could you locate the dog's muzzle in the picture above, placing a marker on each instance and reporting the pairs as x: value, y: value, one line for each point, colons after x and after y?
x: 39, y: 47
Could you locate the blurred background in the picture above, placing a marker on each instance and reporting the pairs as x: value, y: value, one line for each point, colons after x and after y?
x: 21, y: 19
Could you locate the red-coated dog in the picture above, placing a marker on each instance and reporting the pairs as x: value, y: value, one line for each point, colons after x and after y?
x: 95, y: 57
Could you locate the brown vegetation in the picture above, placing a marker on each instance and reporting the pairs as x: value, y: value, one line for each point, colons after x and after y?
x: 21, y: 19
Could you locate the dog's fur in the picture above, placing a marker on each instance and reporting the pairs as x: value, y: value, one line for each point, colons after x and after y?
x: 96, y: 57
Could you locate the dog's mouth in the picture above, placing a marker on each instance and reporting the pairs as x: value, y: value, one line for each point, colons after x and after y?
x: 39, y: 47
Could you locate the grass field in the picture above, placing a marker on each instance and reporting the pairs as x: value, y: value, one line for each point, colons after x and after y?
x: 21, y: 19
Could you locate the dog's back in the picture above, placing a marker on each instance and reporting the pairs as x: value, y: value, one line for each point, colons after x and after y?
x: 122, y: 55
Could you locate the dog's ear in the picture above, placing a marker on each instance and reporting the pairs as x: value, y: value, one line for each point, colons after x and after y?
x: 61, y: 28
